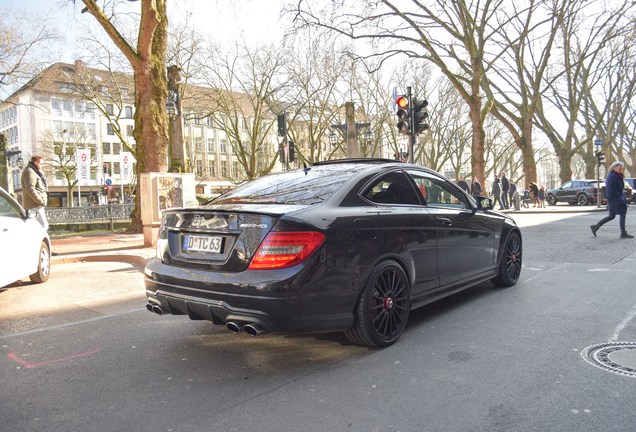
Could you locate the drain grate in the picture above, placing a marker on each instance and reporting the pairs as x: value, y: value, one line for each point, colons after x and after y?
x: 617, y: 357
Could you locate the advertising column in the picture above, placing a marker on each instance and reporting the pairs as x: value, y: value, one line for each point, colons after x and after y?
x: 83, y: 169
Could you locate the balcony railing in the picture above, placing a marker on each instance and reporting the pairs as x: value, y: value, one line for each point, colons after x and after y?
x: 89, y: 214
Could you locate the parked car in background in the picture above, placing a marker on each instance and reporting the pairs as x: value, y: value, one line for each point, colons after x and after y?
x: 350, y: 245
x: 581, y: 192
x: 25, y: 248
x: 632, y: 183
x: 627, y: 191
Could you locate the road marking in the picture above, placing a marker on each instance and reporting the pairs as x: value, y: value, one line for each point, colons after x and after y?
x: 60, y: 326
x: 623, y: 324
x: 28, y: 365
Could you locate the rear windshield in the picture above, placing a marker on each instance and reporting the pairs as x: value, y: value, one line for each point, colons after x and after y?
x: 301, y: 187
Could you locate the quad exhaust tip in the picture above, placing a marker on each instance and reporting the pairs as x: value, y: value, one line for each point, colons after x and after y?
x: 155, y: 308
x: 251, y: 329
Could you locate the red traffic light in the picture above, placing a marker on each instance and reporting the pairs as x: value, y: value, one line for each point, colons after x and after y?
x: 402, y: 102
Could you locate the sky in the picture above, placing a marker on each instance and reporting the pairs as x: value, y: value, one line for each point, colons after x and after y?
x: 224, y: 20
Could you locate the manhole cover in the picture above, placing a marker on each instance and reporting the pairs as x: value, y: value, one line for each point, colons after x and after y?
x: 617, y: 357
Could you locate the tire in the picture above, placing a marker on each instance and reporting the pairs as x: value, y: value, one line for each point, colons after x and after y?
x: 44, y: 265
x: 551, y: 199
x: 510, y: 267
x: 383, y: 307
x: 582, y: 200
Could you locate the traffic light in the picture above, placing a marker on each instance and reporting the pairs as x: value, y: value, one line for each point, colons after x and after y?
x: 403, y: 115
x: 105, y: 168
x: 600, y: 157
x: 281, y: 153
x: 420, y: 115
x: 292, y: 151
x: 282, y: 124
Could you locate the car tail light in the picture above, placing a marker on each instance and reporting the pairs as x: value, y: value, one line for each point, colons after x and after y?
x: 285, y: 249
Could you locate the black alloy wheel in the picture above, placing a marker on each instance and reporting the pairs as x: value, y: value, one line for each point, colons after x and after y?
x: 551, y: 199
x: 582, y: 199
x: 510, y: 267
x: 383, y: 307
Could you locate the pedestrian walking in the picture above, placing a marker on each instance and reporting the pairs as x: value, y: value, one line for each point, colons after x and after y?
x: 475, y: 187
x: 462, y: 184
x: 541, y: 197
x: 505, y: 190
x: 534, y: 194
x: 616, y: 201
x: 496, y: 192
x: 35, y: 189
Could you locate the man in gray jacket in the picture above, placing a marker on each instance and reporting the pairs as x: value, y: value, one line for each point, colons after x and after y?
x: 35, y: 188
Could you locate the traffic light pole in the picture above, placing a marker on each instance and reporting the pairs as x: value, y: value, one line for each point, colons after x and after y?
x: 409, y: 95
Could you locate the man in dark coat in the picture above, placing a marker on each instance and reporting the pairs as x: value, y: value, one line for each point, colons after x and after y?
x: 496, y: 192
x: 475, y: 187
x: 616, y: 201
x: 505, y: 189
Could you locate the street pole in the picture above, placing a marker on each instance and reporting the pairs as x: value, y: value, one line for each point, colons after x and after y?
x: 352, y: 143
x: 411, y: 125
x: 178, y: 154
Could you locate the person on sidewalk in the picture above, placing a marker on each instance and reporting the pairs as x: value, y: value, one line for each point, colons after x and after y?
x: 496, y: 192
x: 616, y: 201
x: 475, y: 188
x: 35, y: 189
x: 505, y: 190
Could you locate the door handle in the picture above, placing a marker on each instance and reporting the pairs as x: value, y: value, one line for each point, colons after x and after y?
x: 445, y: 221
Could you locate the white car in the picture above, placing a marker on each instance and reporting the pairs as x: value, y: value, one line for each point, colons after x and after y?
x: 25, y: 247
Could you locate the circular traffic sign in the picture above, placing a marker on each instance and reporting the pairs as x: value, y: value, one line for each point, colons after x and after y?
x: 109, y: 182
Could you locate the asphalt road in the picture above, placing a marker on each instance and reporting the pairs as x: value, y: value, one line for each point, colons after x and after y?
x: 86, y: 355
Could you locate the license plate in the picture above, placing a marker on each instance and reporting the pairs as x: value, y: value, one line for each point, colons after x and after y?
x: 202, y: 243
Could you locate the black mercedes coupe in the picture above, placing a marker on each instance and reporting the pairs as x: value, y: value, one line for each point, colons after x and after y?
x: 347, y: 245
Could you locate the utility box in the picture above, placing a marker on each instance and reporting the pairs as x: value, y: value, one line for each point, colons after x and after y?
x: 163, y: 191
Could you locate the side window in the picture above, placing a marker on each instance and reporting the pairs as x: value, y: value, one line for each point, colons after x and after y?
x: 439, y: 193
x: 392, y: 188
x: 7, y: 209
x: 567, y: 185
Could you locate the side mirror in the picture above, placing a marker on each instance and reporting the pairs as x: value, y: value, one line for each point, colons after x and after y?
x: 32, y: 213
x: 485, y: 203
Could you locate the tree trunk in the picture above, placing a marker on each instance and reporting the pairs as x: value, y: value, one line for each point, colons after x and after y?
x: 478, y: 163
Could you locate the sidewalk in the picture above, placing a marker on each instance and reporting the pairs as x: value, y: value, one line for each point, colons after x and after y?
x: 101, y: 247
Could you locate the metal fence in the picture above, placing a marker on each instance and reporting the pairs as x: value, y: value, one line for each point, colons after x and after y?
x: 89, y: 214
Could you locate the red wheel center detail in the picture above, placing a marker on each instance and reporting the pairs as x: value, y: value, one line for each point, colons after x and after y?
x: 514, y: 258
x: 388, y: 303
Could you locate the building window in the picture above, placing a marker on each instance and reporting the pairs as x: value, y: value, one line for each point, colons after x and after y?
x: 129, y: 130
x: 235, y: 169
x: 198, y: 145
x: 224, y: 169
x: 109, y: 129
x: 110, y: 109
x: 210, y: 145
x: 199, y: 168
x: 129, y: 112
x: 223, y: 145
x: 106, y: 148
x: 212, y: 168
x: 116, y: 148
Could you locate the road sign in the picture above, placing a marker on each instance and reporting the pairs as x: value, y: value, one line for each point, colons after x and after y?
x: 109, y: 182
x: 598, y: 142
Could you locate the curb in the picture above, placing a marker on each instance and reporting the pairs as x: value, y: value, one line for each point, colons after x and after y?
x: 133, y: 259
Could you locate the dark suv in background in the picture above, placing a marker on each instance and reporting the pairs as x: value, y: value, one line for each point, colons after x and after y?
x: 581, y: 192
x: 632, y: 183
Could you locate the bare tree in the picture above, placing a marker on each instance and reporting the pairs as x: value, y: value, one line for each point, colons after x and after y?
x: 148, y: 61
x: 21, y: 56
x: 243, y: 85
x: 572, y: 80
x: 59, y: 149
x: 453, y: 35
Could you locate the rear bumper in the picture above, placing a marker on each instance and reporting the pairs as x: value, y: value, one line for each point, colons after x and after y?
x: 278, y: 309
